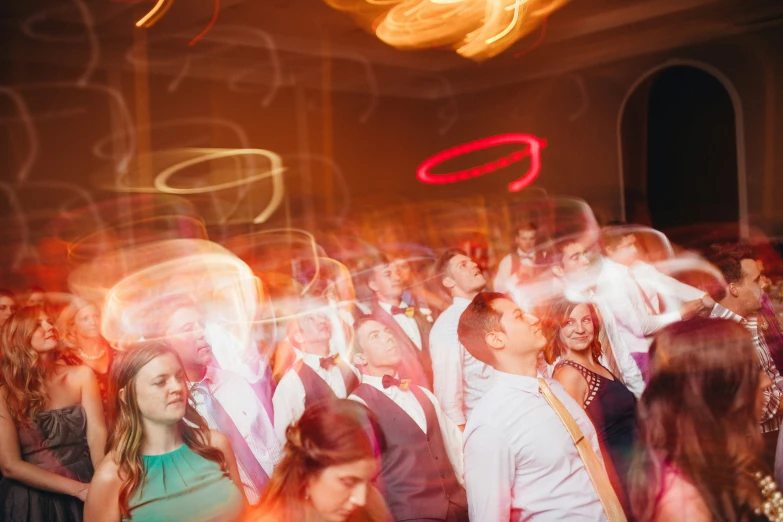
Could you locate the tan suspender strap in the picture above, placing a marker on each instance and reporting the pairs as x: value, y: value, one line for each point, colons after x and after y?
x: 597, y: 473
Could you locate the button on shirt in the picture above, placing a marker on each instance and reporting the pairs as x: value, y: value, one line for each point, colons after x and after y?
x: 460, y: 379
x: 408, y: 324
x: 289, y: 398
x: 520, y: 462
x: 242, y: 405
x: 407, y: 401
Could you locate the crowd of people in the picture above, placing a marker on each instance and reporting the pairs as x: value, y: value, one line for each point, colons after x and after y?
x: 576, y: 381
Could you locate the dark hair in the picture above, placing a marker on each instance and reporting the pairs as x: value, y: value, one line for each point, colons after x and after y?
x: 526, y: 226
x: 555, y: 255
x: 329, y: 433
x: 728, y: 258
x: 698, y: 415
x: 379, y: 260
x: 357, y: 324
x: 441, y: 268
x: 4, y: 292
x: 611, y: 237
x: 478, y: 319
x: 553, y: 317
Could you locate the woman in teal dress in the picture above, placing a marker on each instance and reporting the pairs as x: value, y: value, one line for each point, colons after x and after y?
x: 163, y: 464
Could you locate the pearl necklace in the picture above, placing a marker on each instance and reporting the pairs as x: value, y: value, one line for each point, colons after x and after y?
x: 773, y: 499
x: 88, y: 357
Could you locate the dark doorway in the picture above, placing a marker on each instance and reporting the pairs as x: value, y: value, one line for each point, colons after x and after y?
x: 680, y: 151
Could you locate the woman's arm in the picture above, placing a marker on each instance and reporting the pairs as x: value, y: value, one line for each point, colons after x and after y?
x: 220, y: 441
x: 91, y: 402
x: 103, y: 502
x: 13, y: 467
x: 574, y: 383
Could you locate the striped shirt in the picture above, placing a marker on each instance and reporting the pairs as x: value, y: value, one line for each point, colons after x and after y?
x: 771, y: 421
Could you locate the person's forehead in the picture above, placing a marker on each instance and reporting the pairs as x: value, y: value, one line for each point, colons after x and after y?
x: 183, y: 316
x: 504, y: 306
x: 369, y: 327
x: 526, y: 233
x: 750, y: 267
x: 573, y: 248
x: 165, y: 363
x: 459, y: 258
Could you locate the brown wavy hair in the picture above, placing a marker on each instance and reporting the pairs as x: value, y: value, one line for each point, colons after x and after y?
x: 698, y: 415
x: 553, y: 317
x: 329, y: 433
x: 127, y: 433
x: 21, y: 369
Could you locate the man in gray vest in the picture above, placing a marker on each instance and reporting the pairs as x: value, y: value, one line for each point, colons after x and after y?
x: 421, y: 469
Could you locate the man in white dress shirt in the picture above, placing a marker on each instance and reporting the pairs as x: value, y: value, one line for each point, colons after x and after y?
x: 459, y: 379
x: 520, y: 461
x: 224, y: 399
x: 522, y: 264
x: 408, y: 323
x: 632, y: 290
x: 317, y: 374
x: 421, y: 469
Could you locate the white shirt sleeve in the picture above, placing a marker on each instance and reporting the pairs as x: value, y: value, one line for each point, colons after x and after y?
x: 446, y: 354
x: 631, y: 374
x: 452, y: 438
x: 502, y: 279
x: 288, y: 402
x: 489, y: 475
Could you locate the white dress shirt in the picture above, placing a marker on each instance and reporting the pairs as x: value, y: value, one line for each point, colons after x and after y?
x: 405, y: 399
x: 460, y: 379
x: 289, y: 398
x: 408, y: 324
x: 520, y: 461
x: 248, y: 414
x: 504, y: 279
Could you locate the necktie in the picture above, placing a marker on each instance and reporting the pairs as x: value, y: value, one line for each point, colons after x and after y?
x: 226, y: 426
x: 408, y: 311
x: 389, y: 380
x: 328, y: 362
x: 609, y: 500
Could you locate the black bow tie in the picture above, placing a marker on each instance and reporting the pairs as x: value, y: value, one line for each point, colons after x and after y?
x: 389, y: 380
x: 328, y: 362
x: 407, y: 311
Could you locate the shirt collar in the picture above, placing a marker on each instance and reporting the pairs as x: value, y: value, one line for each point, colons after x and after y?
x: 208, y: 379
x: 724, y: 313
x: 518, y: 382
x: 387, y: 306
x: 377, y: 382
x: 521, y: 253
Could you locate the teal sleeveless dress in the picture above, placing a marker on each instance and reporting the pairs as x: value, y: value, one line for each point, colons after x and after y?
x: 183, y: 486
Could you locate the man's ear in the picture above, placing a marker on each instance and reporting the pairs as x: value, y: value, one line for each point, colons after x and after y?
x: 733, y: 290
x: 448, y: 282
x: 495, y: 340
x: 371, y: 283
x: 558, y: 271
x: 359, y: 359
x: 297, y: 337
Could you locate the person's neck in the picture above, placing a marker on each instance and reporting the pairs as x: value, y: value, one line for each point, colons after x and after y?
x: 317, y: 349
x: 526, y: 366
x: 91, y: 345
x: 195, y: 373
x: 733, y: 306
x: 469, y: 295
x: 160, y: 438
x: 392, y: 301
x: 583, y: 358
x: 379, y: 371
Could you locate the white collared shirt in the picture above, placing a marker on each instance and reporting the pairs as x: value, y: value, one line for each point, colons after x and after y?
x: 460, y: 379
x: 520, y: 462
x: 408, y: 324
x: 407, y: 401
x: 248, y: 414
x: 289, y: 398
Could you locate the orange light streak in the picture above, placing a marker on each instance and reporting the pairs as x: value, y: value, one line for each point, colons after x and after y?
x: 155, y: 13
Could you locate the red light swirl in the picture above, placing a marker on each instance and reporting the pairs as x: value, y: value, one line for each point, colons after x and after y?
x: 534, y: 146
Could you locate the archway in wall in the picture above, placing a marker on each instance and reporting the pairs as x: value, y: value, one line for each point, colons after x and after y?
x: 680, y: 152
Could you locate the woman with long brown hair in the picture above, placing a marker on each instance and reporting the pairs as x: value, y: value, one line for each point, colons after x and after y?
x: 163, y: 463
x: 52, y: 432
x: 331, y: 457
x: 701, y: 448
x: 572, y: 330
x: 79, y: 324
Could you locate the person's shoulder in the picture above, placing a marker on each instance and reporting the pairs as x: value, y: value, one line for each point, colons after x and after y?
x: 218, y: 440
x: 680, y: 500
x: 108, y: 472
x: 567, y: 375
x: 80, y: 373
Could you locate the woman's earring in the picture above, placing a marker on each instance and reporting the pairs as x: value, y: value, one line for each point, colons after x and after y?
x: 307, y: 495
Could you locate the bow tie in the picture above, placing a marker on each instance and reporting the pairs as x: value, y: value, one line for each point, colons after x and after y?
x: 388, y: 381
x: 396, y: 310
x: 328, y: 362
x: 527, y: 256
